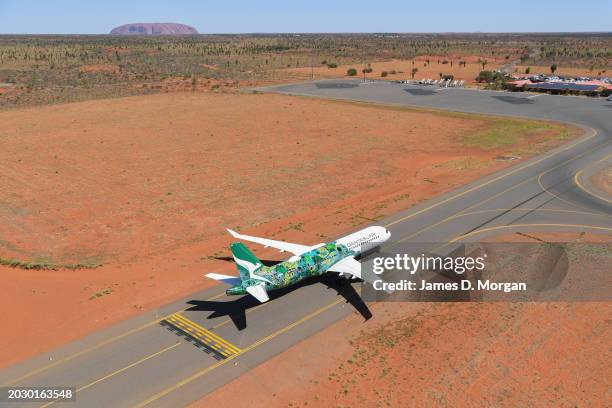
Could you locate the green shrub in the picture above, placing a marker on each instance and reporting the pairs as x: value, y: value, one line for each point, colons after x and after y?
x: 485, y: 76
x: 351, y: 72
x: 384, y: 74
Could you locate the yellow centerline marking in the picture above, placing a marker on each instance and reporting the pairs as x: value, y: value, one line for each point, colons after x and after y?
x: 97, y: 346
x: 246, y: 349
x: 457, y: 214
x: 557, y: 196
x: 114, y: 373
x: 583, y: 188
x: 569, y: 146
x: 480, y: 231
x: 230, y: 355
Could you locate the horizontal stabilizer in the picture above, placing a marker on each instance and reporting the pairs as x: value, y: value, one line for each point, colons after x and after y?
x: 227, y: 279
x: 258, y: 292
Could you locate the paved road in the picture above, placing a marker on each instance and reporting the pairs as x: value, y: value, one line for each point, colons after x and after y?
x: 159, y: 359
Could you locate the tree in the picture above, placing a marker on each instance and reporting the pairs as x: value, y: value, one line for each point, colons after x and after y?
x: 384, y: 74
x: 483, y: 63
x: 485, y: 76
x: 351, y: 72
x: 414, y: 71
x: 528, y: 70
x: 553, y: 68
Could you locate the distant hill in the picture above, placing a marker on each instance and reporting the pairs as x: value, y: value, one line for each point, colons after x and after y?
x: 154, y: 29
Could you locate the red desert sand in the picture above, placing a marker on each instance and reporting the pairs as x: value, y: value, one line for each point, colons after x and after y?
x: 145, y: 186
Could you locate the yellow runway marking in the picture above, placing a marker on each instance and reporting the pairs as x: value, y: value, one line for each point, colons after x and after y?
x: 246, y: 349
x: 556, y: 196
x: 97, y: 346
x: 569, y: 146
x: 488, y: 199
x: 106, y: 377
x: 527, y: 226
x: 205, y: 336
x: 583, y: 188
x: 163, y: 350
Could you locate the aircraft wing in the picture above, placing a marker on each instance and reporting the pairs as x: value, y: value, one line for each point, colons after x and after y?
x: 347, y: 265
x: 352, y: 267
x: 258, y: 292
x: 295, y: 249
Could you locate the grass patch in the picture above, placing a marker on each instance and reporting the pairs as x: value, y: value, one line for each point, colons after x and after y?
x: 45, y: 265
x: 466, y: 163
x: 498, y: 132
x: 501, y: 133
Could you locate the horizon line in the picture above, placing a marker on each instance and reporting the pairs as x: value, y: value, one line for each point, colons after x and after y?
x: 324, y: 33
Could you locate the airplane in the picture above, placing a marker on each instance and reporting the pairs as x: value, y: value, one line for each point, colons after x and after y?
x: 335, y: 256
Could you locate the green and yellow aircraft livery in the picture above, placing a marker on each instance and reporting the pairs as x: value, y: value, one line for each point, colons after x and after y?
x: 337, y: 256
x: 312, y: 263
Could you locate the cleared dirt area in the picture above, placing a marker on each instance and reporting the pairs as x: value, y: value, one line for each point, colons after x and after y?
x: 444, y: 354
x: 603, y: 180
x: 402, y: 69
x: 143, y: 187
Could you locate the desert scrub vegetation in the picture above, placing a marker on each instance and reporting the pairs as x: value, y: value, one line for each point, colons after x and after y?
x: 46, y: 265
x: 48, y: 69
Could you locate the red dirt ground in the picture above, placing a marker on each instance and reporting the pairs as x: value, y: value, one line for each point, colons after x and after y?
x: 146, y: 186
x: 403, y: 69
x: 444, y: 354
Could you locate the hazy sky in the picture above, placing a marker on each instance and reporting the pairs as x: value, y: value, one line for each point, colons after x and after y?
x: 248, y: 16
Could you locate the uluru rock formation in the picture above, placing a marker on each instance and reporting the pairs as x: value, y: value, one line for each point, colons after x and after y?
x: 154, y: 29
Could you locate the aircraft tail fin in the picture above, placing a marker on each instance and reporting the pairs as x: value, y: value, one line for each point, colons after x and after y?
x: 246, y: 262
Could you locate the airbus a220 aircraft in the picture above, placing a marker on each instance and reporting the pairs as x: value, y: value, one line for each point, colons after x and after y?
x: 336, y: 256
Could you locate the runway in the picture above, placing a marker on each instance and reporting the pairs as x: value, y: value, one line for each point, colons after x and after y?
x: 180, y: 352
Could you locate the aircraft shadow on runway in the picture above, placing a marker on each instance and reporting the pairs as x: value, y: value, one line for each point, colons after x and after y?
x: 237, y: 309
x: 335, y: 85
x: 421, y: 92
x: 516, y: 100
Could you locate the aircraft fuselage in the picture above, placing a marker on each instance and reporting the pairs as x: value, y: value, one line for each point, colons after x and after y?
x: 312, y: 263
